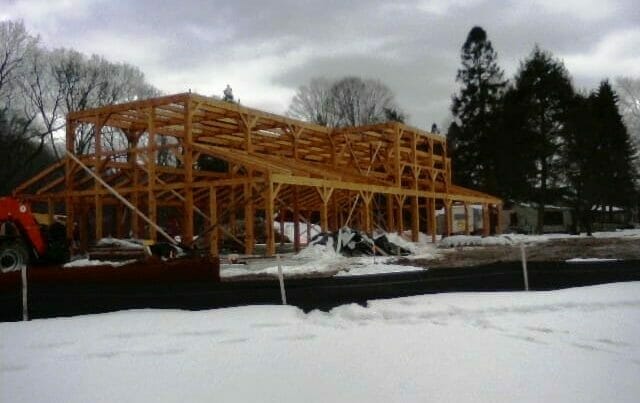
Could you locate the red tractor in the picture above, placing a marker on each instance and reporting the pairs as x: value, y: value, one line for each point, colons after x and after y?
x: 24, y: 240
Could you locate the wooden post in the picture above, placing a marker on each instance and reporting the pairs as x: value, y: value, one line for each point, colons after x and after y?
x: 486, y: 224
x: 98, y: 217
x: 367, y: 214
x: 447, y: 217
x: 432, y: 219
x: 98, y: 162
x: 213, y: 213
x: 135, y: 198
x: 232, y: 211
x: 151, y: 172
x: 499, y: 218
x: 268, y: 217
x: 296, y: 220
x: 249, y: 237
x: 325, y: 197
x: 120, y: 219
x: 51, y: 210
x: 281, y: 214
x: 333, y: 220
x: 396, y: 160
x: 415, y: 217
x: 466, y: 218
x: 84, y: 228
x: 390, y: 218
x: 324, y: 217
x: 188, y: 167
x: 400, y: 214
x: 69, y: 180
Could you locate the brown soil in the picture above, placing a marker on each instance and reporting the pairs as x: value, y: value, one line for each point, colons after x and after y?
x: 553, y: 250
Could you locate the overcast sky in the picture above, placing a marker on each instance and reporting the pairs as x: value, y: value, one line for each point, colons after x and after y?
x: 266, y: 49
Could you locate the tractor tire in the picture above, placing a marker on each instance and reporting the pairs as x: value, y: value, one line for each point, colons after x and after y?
x: 13, y: 256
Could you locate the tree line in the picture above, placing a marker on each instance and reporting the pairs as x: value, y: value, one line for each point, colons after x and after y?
x: 535, y: 138
x: 39, y: 86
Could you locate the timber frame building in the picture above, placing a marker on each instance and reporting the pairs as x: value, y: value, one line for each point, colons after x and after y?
x: 386, y: 176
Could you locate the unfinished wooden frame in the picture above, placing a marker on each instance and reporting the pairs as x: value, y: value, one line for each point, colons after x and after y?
x: 200, y: 166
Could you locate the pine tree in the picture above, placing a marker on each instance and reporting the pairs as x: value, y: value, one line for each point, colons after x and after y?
x: 542, y: 95
x: 616, y: 149
x: 474, y: 109
x: 582, y: 164
x: 599, y: 155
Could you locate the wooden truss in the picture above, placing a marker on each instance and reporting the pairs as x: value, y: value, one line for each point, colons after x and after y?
x: 268, y: 167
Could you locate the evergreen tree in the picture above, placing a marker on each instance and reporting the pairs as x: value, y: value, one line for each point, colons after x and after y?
x: 515, y: 161
x: 474, y: 108
x: 616, y: 150
x: 599, y: 155
x: 537, y: 111
x: 583, y: 166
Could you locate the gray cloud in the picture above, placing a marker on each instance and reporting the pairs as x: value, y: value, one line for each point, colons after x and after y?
x: 265, y: 50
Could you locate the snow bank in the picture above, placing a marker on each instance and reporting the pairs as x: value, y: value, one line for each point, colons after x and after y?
x: 396, y: 239
x: 576, y: 345
x: 589, y: 260
x: 94, y: 263
x: 318, y: 251
x: 120, y: 243
x: 469, y: 240
x: 369, y: 265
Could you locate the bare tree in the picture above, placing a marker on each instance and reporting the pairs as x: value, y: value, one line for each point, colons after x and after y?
x: 64, y: 80
x: 313, y: 103
x: 15, y: 45
x: 361, y: 102
x: 628, y: 90
x: 350, y: 101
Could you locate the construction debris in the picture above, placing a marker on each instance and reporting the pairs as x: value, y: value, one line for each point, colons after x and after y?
x: 350, y: 242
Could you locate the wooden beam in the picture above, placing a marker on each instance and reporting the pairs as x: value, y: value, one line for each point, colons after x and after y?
x: 268, y: 217
x: 432, y: 222
x: 69, y: 207
x: 296, y: 220
x: 466, y: 218
x: 97, y: 199
x: 249, y: 211
x: 415, y: 219
x: 187, y: 146
x: 151, y: 172
x: 213, y: 214
x: 448, y: 213
x: 486, y: 220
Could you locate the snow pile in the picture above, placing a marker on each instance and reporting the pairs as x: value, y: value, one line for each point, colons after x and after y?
x: 364, y: 266
x: 455, y: 241
x: 318, y: 251
x: 576, y: 345
x: 626, y: 233
x: 321, y: 266
x: 93, y: 263
x: 589, y: 260
x: 396, y: 239
x: 120, y: 243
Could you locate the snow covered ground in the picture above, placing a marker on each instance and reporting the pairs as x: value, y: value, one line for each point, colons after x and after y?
x: 575, y: 345
x: 323, y: 260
